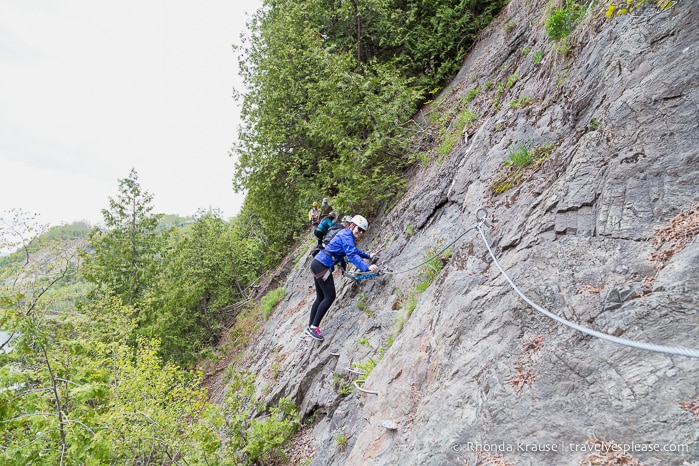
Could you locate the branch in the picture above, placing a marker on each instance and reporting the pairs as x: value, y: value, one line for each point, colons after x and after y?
x: 80, y: 423
x: 68, y: 381
x: 8, y: 340
x: 61, y: 425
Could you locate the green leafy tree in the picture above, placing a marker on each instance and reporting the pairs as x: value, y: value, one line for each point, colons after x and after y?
x: 251, y: 439
x: 331, y: 90
x: 42, y: 374
x: 197, y: 278
x: 72, y: 391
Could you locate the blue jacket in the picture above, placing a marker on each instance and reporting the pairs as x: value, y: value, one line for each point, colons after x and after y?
x: 343, y: 245
x: 325, y: 225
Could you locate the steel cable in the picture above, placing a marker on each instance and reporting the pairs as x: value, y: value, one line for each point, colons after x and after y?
x: 676, y: 350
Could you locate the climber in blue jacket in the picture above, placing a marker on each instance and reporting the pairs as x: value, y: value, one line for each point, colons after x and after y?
x: 341, y: 246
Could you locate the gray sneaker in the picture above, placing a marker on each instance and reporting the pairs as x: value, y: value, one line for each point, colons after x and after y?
x: 315, y: 333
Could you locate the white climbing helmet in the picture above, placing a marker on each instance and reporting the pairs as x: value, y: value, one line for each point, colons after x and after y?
x: 360, y: 222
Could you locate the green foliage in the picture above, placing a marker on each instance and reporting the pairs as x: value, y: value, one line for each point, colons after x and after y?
x: 341, y: 385
x: 563, y: 21
x: 471, y: 94
x: 365, y: 367
x: 180, y: 280
x: 430, y: 270
x: 448, y: 142
x: 537, y: 57
x: 409, y: 230
x: 265, y: 437
x: 520, y: 156
x: 87, y: 379
x: 341, y: 439
x: 200, y: 272
x: 520, y: 102
x: 450, y: 125
x: 521, y: 162
x: 428, y: 274
x: 19, y: 231
x: 410, y: 305
x: 421, y: 158
x: 563, y: 47
x: 168, y: 221
x: 362, y: 304
x: 69, y: 231
x: 250, y: 440
x: 466, y: 118
x: 330, y: 87
x: 628, y: 6
x: 73, y: 392
x: 270, y: 300
x: 124, y: 255
x: 502, y: 88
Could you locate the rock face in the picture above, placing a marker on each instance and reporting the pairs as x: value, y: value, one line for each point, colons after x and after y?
x: 475, y: 373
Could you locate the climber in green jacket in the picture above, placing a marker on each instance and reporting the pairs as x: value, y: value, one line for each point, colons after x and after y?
x: 323, y: 228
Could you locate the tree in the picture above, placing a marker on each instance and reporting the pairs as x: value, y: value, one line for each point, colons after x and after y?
x: 196, y: 278
x: 124, y: 256
x: 331, y: 87
x: 40, y: 367
x: 74, y: 391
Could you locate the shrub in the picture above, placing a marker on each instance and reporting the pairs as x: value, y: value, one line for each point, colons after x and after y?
x: 265, y: 437
x: 467, y: 117
x: 563, y: 21
x: 538, y: 55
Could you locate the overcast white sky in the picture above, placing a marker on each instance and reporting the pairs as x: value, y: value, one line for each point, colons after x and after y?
x: 90, y: 89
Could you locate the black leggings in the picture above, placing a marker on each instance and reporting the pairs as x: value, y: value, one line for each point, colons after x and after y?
x: 319, y: 237
x: 325, y: 293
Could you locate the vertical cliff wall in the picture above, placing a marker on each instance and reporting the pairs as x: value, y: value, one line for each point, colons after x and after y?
x: 475, y: 373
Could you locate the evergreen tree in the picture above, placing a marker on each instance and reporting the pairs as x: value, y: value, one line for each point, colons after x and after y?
x: 124, y: 256
x: 196, y: 279
x: 331, y: 90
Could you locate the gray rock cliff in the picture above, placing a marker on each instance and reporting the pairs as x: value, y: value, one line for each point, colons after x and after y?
x: 475, y: 373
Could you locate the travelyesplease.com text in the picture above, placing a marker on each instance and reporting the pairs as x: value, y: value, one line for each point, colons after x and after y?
x: 560, y: 447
